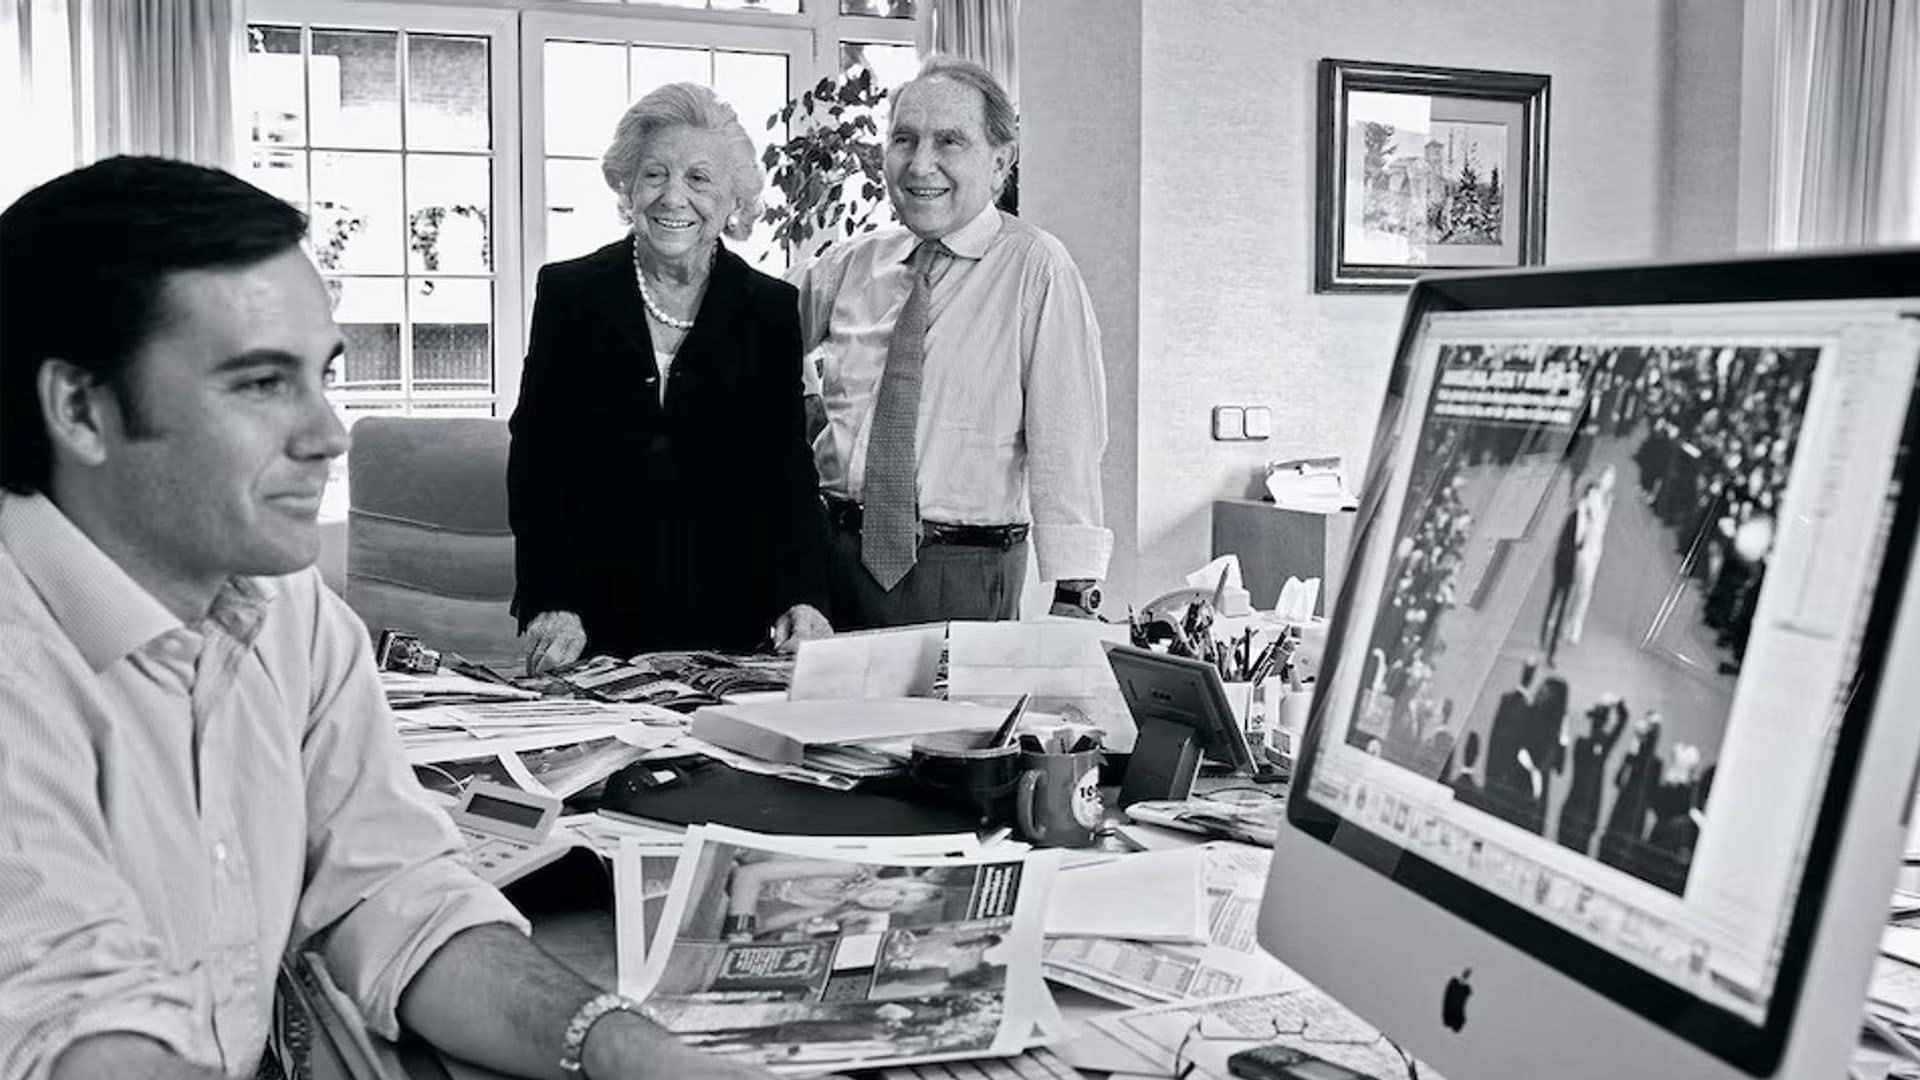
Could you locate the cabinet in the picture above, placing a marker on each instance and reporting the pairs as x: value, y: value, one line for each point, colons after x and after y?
x: 1275, y: 543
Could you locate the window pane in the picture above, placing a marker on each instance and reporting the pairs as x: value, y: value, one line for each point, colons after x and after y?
x: 448, y: 218
x: 586, y: 92
x: 275, y: 86
x: 355, y: 88
x: 368, y: 312
x: 282, y: 173
x: 580, y: 209
x: 779, y: 7
x: 356, y: 213
x: 447, y: 80
x: 452, y: 334
x: 760, y: 251
x: 892, y: 65
x: 453, y: 408
x: 655, y: 66
x: 887, y: 9
x: 755, y: 84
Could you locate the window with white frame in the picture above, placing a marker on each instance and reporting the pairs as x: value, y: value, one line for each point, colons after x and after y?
x: 592, y: 71
x: 388, y: 134
x: 399, y: 126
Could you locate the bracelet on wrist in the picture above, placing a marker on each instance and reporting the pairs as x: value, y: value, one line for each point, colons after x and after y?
x: 573, y: 1043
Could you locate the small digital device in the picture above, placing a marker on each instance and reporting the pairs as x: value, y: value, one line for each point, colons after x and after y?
x: 509, y: 832
x: 398, y: 650
x: 1276, y: 1062
x: 1180, y: 706
x: 1614, y: 730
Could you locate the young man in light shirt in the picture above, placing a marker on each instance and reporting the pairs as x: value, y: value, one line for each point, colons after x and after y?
x: 1008, y: 397
x: 197, y: 766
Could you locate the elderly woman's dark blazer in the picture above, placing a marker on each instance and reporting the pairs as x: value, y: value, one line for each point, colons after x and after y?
x: 689, y: 526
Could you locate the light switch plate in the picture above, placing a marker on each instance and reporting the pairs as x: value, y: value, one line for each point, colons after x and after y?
x: 1229, y: 423
x: 1259, y: 422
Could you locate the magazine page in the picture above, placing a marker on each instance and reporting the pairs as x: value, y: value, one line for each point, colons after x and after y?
x: 645, y: 861
x: 801, y: 960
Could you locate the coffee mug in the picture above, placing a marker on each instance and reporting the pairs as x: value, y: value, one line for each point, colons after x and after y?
x: 955, y: 770
x: 1058, y: 804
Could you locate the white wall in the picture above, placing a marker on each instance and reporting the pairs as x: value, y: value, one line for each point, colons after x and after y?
x: 1224, y: 214
x: 1081, y: 137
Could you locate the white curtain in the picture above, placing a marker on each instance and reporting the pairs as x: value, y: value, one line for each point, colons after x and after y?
x: 982, y: 31
x: 37, y: 110
x: 1846, y: 152
x: 163, y: 74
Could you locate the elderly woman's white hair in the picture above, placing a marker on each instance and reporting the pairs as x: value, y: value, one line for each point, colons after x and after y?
x: 690, y: 105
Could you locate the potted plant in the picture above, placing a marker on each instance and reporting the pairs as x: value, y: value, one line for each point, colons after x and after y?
x: 828, y: 169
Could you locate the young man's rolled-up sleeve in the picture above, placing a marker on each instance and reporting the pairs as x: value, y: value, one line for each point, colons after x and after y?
x: 386, y: 873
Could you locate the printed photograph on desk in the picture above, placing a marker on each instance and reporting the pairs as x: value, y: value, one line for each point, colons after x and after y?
x: 795, y: 958
x: 1577, y: 567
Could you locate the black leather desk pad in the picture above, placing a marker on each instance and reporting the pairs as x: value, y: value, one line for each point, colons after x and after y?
x: 708, y: 792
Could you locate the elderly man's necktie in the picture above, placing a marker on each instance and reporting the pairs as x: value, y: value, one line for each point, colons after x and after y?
x: 890, y: 518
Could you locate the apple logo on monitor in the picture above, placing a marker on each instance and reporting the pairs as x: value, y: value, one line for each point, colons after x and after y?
x: 1453, y: 1003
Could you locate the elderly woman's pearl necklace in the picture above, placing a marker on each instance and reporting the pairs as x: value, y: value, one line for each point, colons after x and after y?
x: 646, y: 295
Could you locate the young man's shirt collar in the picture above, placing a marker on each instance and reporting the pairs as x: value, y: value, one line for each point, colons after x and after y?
x: 104, y: 611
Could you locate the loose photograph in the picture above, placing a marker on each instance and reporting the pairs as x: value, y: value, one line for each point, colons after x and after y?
x: 1577, y: 565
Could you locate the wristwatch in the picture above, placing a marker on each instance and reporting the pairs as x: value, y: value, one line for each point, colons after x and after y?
x: 574, y: 1043
x: 1085, y: 597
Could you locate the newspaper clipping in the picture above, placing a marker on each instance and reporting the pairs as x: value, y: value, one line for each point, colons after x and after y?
x: 804, y: 961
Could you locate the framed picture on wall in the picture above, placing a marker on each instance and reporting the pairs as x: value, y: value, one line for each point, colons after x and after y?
x: 1427, y: 168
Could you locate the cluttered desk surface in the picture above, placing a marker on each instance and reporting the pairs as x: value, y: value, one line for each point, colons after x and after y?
x: 737, y: 890
x: 934, y: 942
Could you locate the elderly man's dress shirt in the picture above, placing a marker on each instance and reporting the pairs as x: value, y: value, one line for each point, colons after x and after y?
x: 1013, y: 406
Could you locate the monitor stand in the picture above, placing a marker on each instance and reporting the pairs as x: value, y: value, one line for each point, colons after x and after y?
x: 1166, y: 758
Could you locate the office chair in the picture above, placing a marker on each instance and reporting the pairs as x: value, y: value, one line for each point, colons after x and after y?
x: 428, y: 546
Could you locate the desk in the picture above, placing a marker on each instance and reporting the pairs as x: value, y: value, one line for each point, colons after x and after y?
x: 570, y: 905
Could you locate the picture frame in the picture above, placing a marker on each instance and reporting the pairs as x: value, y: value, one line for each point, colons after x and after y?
x: 1427, y: 168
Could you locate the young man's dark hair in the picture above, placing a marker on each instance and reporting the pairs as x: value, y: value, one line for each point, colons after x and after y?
x: 83, y: 260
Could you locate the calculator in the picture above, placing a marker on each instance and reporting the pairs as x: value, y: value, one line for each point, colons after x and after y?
x: 509, y: 832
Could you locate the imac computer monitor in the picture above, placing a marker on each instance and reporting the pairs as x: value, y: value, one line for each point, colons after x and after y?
x: 1616, y: 727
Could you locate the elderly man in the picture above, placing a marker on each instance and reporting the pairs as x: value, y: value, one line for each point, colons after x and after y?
x: 197, y: 765
x: 961, y: 388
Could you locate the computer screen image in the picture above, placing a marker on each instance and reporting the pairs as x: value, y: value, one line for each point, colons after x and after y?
x: 1604, y: 739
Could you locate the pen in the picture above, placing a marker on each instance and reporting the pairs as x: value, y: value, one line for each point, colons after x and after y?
x: 1004, y: 733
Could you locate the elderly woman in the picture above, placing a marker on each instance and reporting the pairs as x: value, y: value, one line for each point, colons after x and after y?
x: 660, y: 486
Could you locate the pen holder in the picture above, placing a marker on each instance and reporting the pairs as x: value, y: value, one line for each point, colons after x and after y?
x: 1248, y: 711
x: 955, y: 770
x: 1058, y: 803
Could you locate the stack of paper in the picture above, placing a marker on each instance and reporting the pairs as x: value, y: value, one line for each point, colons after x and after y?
x: 1150, y: 896
x: 1138, y: 972
x: 558, y: 747
x: 1891, y: 1036
x: 405, y: 690
x: 1060, y: 664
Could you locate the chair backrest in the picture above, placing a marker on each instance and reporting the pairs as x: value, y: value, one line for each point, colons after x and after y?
x: 428, y: 545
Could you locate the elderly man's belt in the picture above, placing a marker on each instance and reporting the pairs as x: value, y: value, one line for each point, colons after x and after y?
x: 845, y: 514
